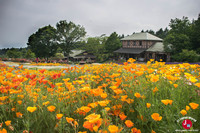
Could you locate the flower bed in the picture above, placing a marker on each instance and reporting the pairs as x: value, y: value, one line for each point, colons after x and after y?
x: 100, y: 98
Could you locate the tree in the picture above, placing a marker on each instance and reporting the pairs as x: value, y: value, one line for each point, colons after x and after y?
x: 95, y: 45
x: 150, y: 31
x: 176, y: 42
x: 180, y: 26
x: 43, y: 42
x: 195, y: 35
x: 122, y: 36
x: 68, y: 34
x: 113, y: 43
x: 13, y: 53
x: 29, y: 54
x: 162, y: 33
x: 178, y: 36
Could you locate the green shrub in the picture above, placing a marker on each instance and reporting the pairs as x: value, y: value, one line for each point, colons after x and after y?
x: 187, y: 56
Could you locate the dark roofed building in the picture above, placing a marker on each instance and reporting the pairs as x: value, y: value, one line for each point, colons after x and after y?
x: 82, y: 56
x: 143, y: 46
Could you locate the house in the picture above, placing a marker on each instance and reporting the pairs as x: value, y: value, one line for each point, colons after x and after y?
x: 81, y: 56
x: 143, y: 47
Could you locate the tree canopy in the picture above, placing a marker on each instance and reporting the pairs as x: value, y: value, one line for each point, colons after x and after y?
x: 195, y: 35
x: 43, y: 42
x: 183, y: 37
x: 68, y: 34
x: 113, y: 42
x: 13, y: 53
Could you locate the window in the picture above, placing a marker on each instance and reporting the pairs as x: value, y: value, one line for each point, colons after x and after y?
x: 128, y: 43
x: 140, y: 43
x: 134, y: 43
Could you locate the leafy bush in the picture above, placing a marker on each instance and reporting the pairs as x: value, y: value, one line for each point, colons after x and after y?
x: 13, y: 53
x: 29, y: 54
x: 59, y: 55
x: 187, y: 56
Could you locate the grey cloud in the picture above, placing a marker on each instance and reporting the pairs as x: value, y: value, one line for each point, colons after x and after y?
x: 20, y: 18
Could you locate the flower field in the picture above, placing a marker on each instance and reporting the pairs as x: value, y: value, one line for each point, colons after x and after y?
x: 106, y: 98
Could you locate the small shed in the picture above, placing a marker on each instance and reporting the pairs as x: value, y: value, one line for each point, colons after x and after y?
x: 81, y: 56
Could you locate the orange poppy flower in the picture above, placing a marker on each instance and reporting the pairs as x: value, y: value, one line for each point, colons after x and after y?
x: 46, y: 103
x: 8, y: 122
x: 137, y: 95
x: 19, y: 115
x: 107, y: 108
x: 194, y: 105
x: 197, y: 84
x: 88, y: 125
x: 131, y: 60
x: 19, y: 102
x: 167, y: 101
x: 183, y: 112
x: 155, y: 89
x: 148, y: 105
x: 85, y: 109
x: 69, y: 120
x: 93, y: 105
x: 122, y: 116
x: 59, y: 84
x: 31, y: 109
x: 51, y: 108
x: 129, y: 123
x: 113, y: 129
x: 135, y: 130
x: 156, y: 117
x: 3, y: 130
x: 103, y: 103
x: 92, y: 118
x: 175, y: 85
x: 187, y: 108
x: 103, y: 95
x: 154, y: 78
x: 82, y: 132
x: 59, y: 116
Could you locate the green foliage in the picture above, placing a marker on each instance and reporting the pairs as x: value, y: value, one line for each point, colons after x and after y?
x: 187, y: 56
x: 59, y: 55
x: 59, y: 50
x: 13, y: 53
x: 68, y: 34
x: 94, y: 45
x: 29, y: 54
x: 150, y: 31
x: 113, y: 43
x: 3, y: 51
x: 42, y: 43
x: 162, y: 33
x: 195, y: 34
x: 178, y: 38
x: 180, y: 26
x: 176, y: 42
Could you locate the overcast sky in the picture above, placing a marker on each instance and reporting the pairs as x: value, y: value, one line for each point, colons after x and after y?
x: 21, y: 18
